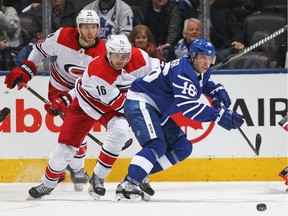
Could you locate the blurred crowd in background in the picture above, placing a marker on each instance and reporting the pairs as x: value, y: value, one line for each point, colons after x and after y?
x: 163, y: 28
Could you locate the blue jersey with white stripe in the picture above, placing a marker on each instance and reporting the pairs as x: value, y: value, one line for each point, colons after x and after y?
x: 175, y: 87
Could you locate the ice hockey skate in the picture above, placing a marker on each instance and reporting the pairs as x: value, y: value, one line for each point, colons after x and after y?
x: 79, y: 178
x: 146, y: 187
x: 128, y: 191
x: 38, y: 192
x: 284, y: 175
x: 96, y: 188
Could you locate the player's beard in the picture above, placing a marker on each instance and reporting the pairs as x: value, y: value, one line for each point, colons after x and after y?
x: 86, y: 41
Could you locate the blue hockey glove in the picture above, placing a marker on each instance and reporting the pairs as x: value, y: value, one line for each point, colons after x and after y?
x: 228, y: 119
x: 220, y: 95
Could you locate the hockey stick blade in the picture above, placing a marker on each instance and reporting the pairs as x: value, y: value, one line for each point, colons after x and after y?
x: 4, y: 113
x: 258, y: 143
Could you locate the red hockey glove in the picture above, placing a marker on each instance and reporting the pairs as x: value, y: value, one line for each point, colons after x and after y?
x: 23, y: 73
x: 59, y: 104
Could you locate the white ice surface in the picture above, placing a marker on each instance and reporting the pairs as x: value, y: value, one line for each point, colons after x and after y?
x: 170, y: 199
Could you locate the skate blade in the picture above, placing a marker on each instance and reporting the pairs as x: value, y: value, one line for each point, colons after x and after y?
x: 78, y: 187
x: 132, y: 197
x: 32, y: 198
x: 94, y: 195
x: 146, y: 197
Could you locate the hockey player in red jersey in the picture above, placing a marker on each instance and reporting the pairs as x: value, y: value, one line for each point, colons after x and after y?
x: 100, y: 95
x: 70, y: 51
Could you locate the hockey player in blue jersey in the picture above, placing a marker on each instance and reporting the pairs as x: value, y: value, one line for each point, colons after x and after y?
x: 174, y: 87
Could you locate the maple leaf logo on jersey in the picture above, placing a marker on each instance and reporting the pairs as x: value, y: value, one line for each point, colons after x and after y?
x: 195, y: 131
x: 74, y: 70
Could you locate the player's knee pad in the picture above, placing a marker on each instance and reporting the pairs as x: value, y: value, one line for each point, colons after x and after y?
x: 157, y: 146
x: 117, y: 134
x: 63, y: 152
x: 182, y: 148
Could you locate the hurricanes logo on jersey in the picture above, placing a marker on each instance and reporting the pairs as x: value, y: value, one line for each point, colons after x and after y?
x: 74, y: 70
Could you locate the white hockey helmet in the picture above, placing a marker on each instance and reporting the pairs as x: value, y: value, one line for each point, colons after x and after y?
x: 87, y: 17
x: 118, y: 44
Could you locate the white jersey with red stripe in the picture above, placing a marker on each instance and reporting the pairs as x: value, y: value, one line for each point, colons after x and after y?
x: 68, y: 59
x: 102, y: 88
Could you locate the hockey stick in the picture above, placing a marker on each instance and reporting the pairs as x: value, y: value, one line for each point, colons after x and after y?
x: 4, y: 113
x: 127, y: 144
x: 258, y: 139
x: 248, y: 49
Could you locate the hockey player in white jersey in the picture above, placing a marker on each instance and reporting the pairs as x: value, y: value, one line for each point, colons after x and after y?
x: 100, y: 95
x: 151, y: 100
x: 70, y: 50
x: 116, y: 17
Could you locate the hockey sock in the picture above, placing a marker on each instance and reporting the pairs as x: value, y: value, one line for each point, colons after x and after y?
x: 176, y: 152
x: 78, y: 160
x: 59, y: 160
x: 104, y: 164
x: 143, y: 161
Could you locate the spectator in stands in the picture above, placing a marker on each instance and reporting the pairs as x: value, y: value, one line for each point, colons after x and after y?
x: 11, y: 34
x: 240, y: 8
x: 116, y: 17
x: 10, y: 24
x: 138, y: 10
x: 191, y: 31
x: 226, y: 32
x: 22, y: 6
x: 141, y: 37
x: 4, y: 46
x: 26, y: 50
x: 163, y: 17
x: 63, y: 14
x: 189, y: 8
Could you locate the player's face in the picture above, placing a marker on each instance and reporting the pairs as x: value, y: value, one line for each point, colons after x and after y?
x: 119, y: 60
x: 202, y: 62
x: 141, y: 40
x: 88, y: 32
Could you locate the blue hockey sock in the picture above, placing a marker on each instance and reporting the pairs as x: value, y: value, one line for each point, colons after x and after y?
x: 143, y: 161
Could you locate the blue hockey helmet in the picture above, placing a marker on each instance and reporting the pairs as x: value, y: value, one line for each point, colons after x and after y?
x: 203, y: 46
